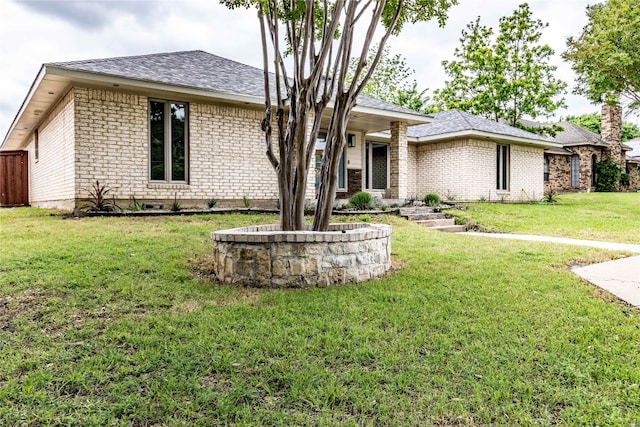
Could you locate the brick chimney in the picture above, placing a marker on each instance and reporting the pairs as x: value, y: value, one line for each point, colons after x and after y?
x: 611, y: 133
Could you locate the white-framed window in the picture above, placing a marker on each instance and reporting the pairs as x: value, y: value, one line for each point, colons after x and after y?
x: 168, y: 141
x: 377, y: 166
x: 502, y: 166
x: 321, y: 142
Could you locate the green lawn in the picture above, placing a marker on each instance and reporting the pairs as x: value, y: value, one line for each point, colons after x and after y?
x: 111, y: 321
x: 611, y: 217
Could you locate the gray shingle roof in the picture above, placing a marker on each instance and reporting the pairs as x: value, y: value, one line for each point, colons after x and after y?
x: 193, y: 69
x: 196, y: 69
x: 454, y: 121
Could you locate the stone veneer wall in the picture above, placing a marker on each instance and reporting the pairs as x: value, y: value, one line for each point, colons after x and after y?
x: 264, y: 256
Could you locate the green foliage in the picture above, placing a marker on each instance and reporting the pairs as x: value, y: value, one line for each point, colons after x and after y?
x: 390, y: 81
x: 246, y: 202
x: 593, y: 122
x: 211, y: 203
x: 607, y: 175
x: 135, y: 205
x: 175, y: 205
x: 99, y: 200
x: 503, y: 79
x: 431, y: 199
x: 605, y: 56
x: 361, y: 201
x: 625, y: 179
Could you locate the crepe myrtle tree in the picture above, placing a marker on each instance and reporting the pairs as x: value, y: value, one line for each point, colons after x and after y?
x: 317, y: 39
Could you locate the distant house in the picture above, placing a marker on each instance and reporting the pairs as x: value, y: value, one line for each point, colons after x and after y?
x: 573, y: 166
x: 186, y: 125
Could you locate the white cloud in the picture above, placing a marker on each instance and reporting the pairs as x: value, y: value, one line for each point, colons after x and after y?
x: 35, y: 32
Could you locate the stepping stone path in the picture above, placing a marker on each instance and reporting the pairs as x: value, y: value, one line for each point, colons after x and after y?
x: 426, y: 217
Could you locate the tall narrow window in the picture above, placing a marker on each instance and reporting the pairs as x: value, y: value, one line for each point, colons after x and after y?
x: 168, y: 141
x: 36, y: 146
x: 342, y: 170
x: 575, y: 171
x: 594, y: 160
x: 502, y: 167
x: 546, y: 168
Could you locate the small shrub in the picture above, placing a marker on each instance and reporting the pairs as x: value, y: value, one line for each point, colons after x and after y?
x: 98, y: 200
x: 383, y: 207
x: 550, y: 197
x: 625, y: 179
x: 211, y: 203
x: 175, y: 206
x: 395, y: 206
x: 431, y: 200
x: 135, y: 205
x: 608, y: 175
x: 361, y: 201
x: 246, y: 201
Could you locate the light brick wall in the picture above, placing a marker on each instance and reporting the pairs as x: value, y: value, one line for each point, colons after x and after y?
x: 398, y: 151
x: 226, y: 150
x: 465, y: 170
x: 51, y: 178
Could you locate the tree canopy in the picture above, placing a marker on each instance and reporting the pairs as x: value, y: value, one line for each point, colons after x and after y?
x: 319, y: 39
x: 505, y: 77
x: 593, y: 122
x: 606, y: 56
x: 391, y: 82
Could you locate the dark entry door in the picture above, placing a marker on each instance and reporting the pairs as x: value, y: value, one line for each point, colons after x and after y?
x: 14, y: 178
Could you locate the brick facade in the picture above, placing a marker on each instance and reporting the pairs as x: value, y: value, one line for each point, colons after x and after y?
x: 52, y: 173
x: 465, y: 170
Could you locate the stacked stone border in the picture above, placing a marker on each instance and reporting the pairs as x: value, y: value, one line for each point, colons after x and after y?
x: 265, y: 256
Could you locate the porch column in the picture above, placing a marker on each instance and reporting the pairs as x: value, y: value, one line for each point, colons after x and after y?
x: 399, y: 161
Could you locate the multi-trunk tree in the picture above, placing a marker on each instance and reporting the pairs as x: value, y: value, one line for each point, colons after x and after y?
x: 503, y: 78
x: 318, y: 39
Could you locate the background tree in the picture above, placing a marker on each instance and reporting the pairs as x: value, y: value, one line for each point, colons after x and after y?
x: 390, y: 82
x: 606, y: 56
x: 593, y: 122
x: 506, y: 78
x: 318, y: 36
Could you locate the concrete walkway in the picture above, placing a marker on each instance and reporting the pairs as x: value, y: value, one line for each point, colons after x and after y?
x: 620, y: 277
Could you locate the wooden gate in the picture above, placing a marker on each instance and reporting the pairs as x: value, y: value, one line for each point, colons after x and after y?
x: 14, y: 178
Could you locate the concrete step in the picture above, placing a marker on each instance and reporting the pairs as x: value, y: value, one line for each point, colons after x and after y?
x: 425, y: 216
x: 436, y: 222
x: 415, y: 210
x: 450, y: 228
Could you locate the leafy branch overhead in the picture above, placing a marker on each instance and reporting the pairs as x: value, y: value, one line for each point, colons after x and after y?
x: 390, y: 82
x: 506, y: 77
x: 319, y: 39
x: 606, y: 56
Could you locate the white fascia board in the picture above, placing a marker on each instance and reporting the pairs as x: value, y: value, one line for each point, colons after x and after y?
x: 416, y: 118
x: 491, y: 136
x: 474, y: 134
x: 87, y: 76
x: 30, y: 94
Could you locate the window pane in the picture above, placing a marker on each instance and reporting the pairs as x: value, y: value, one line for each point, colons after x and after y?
x: 341, y: 173
x: 505, y: 167
x: 156, y: 120
x: 178, y: 146
x: 379, y: 167
x: 498, y: 167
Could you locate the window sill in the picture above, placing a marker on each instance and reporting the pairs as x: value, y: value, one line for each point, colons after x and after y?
x: 167, y: 186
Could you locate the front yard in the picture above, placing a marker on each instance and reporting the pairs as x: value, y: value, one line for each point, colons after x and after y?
x: 111, y: 321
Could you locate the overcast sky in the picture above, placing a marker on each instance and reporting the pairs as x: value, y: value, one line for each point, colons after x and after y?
x: 35, y: 32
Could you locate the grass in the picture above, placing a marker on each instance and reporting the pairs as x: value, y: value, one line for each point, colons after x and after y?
x: 111, y: 321
x: 593, y: 216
